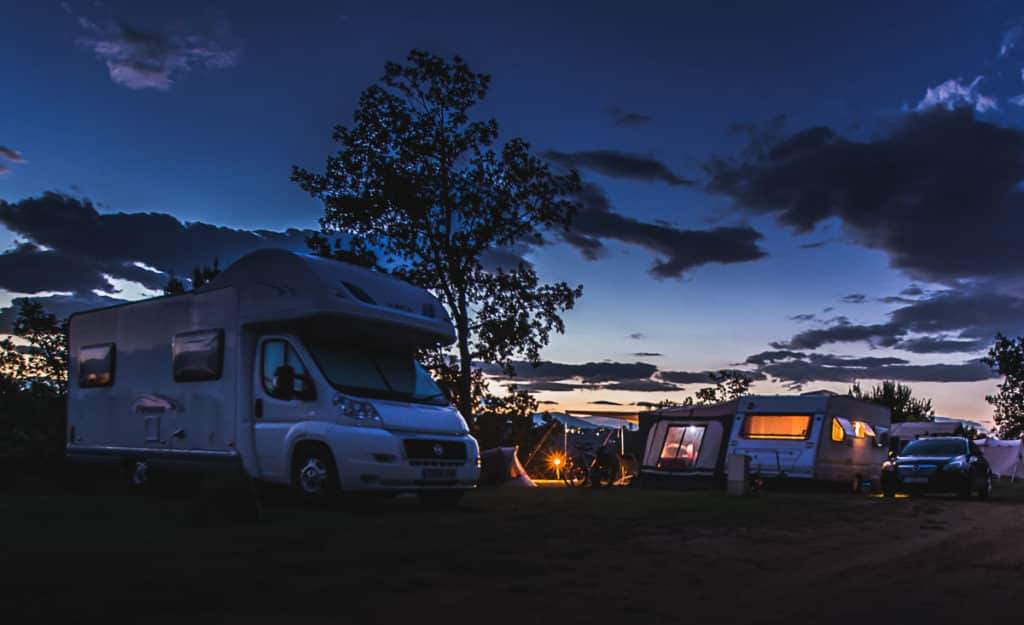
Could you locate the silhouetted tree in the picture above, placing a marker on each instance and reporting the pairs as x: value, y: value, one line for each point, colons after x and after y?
x: 899, y: 398
x: 429, y: 189
x: 728, y: 386
x: 40, y: 359
x: 1006, y: 357
x: 201, y: 276
x: 357, y: 255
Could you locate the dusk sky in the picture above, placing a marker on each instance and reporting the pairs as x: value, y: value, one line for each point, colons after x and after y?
x: 815, y: 193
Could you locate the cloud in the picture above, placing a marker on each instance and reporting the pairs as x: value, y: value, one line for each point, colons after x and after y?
x: 637, y: 335
x: 938, y: 192
x: 678, y: 250
x: 803, y: 317
x: 604, y: 402
x: 912, y: 291
x: 954, y: 94
x: 855, y: 298
x: 140, y: 59
x: 1010, y: 39
x: 647, y: 354
x: 798, y: 369
x: 642, y: 386
x: 615, y: 164
x: 625, y: 118
x: 9, y: 155
x: 1018, y: 100
x: 951, y: 321
x: 811, y: 246
x: 702, y: 377
x: 61, y: 306
x: 69, y: 246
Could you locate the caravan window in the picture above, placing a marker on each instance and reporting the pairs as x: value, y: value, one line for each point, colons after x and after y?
x: 96, y: 365
x: 198, y: 356
x: 776, y: 427
x: 682, y: 446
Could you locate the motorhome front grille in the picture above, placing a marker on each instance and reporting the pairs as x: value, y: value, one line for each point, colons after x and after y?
x: 425, y: 449
x: 436, y: 463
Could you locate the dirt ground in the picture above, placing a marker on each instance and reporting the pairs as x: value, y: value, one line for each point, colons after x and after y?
x: 546, y: 555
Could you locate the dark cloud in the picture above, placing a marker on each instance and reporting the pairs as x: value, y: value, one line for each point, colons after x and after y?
x: 637, y: 335
x: 140, y: 59
x: 70, y: 246
x: 647, y: 354
x: 702, y: 377
x: 855, y: 298
x: 588, y: 373
x: 896, y: 299
x: 61, y: 306
x: 801, y: 369
x: 626, y: 118
x: 955, y: 320
x: 803, y: 317
x: 811, y: 246
x: 912, y: 291
x: 615, y: 164
x: 9, y: 155
x: 605, y: 402
x: 678, y: 250
x: 773, y: 356
x: 938, y: 192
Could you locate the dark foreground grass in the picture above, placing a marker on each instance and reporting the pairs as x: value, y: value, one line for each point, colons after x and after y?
x: 505, y: 553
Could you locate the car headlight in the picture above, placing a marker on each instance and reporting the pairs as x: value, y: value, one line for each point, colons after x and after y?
x: 362, y: 412
x: 956, y: 464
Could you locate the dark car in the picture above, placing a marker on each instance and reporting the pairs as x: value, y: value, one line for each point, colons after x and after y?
x: 946, y: 464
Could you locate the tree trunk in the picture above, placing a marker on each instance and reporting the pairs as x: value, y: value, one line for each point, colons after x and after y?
x: 465, y: 361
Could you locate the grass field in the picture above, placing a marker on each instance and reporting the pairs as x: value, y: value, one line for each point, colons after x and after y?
x: 509, y: 556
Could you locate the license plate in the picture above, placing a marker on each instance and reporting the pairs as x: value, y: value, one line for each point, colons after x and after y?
x: 915, y: 480
x: 439, y: 474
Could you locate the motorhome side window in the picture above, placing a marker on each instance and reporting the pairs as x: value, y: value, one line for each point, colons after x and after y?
x: 96, y: 365
x: 198, y: 356
x: 284, y: 375
x: 776, y: 427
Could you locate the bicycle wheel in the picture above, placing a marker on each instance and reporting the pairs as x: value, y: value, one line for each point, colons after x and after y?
x: 575, y: 474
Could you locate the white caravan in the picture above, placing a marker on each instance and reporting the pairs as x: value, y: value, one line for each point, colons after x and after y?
x: 299, y: 369
x: 818, y: 436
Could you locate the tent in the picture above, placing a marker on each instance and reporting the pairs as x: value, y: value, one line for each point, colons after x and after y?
x: 1005, y: 457
x: 500, y: 467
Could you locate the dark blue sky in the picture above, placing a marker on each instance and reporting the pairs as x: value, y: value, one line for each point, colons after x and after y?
x: 239, y: 92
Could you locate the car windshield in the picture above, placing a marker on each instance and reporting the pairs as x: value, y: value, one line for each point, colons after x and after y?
x: 370, y: 372
x: 935, y: 447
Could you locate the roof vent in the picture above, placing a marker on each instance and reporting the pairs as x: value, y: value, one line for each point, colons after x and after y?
x: 359, y: 294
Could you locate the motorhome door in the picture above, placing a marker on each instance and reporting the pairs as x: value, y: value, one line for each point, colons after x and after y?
x: 283, y: 394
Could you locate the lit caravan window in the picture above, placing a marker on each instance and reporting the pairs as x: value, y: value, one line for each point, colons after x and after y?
x: 838, y: 435
x: 682, y: 445
x: 862, y: 429
x: 777, y: 427
x: 198, y: 356
x: 96, y: 365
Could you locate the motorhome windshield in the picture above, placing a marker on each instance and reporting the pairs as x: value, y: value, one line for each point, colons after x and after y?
x: 369, y: 372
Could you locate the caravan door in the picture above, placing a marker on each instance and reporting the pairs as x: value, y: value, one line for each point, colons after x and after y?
x: 283, y: 395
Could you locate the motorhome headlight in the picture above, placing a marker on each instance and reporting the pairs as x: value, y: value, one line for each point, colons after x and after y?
x: 358, y: 410
x: 957, y: 464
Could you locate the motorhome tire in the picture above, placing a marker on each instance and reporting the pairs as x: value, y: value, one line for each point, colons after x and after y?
x: 440, y: 498
x: 314, y: 474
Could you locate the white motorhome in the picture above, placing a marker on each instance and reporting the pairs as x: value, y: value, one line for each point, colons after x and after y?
x: 299, y: 369
x: 816, y: 436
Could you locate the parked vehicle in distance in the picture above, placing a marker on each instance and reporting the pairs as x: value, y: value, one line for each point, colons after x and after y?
x: 941, y: 464
x: 299, y: 369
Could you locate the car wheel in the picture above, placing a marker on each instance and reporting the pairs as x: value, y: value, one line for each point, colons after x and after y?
x: 440, y: 498
x: 314, y: 474
x: 986, y: 487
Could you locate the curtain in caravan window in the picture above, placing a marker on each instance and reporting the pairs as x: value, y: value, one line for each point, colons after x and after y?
x: 198, y: 356
x: 682, y: 446
x: 777, y: 427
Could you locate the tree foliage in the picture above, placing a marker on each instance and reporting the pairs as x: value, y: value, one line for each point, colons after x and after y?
x: 201, y: 276
x: 1006, y: 357
x: 728, y: 385
x: 899, y: 398
x: 40, y: 358
x: 432, y: 191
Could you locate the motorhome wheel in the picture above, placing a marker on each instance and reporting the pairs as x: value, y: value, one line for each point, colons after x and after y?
x: 314, y: 473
